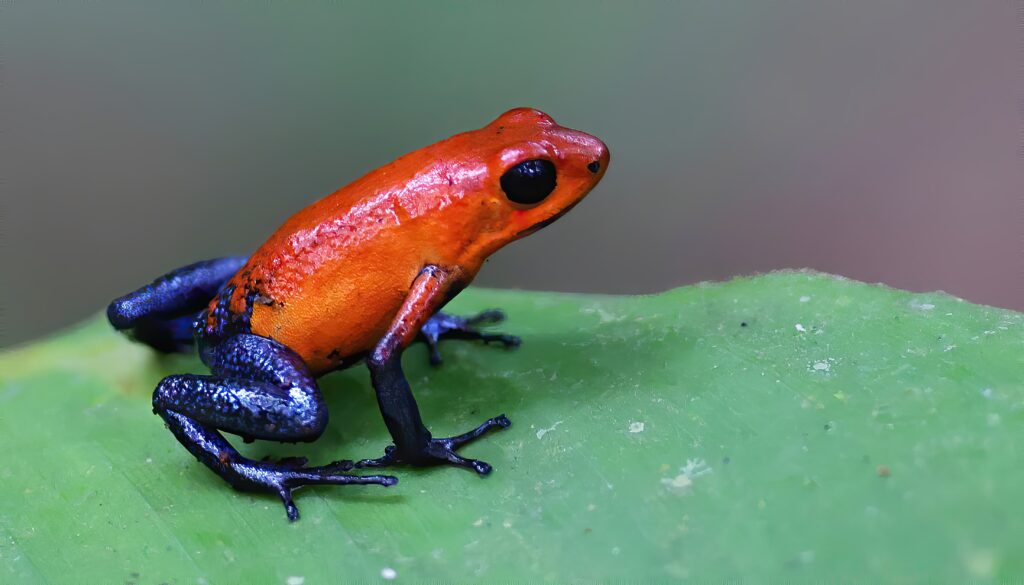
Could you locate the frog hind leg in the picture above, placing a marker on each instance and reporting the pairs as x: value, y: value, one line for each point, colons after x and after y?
x: 444, y: 326
x: 165, y: 335
x: 161, y: 313
x: 258, y: 389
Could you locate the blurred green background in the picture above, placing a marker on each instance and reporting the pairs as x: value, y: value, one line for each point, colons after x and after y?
x: 874, y: 139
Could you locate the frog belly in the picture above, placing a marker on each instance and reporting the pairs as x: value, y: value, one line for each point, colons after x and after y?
x: 334, y: 316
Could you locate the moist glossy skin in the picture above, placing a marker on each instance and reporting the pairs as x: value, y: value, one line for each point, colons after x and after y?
x: 329, y: 282
x: 358, y: 275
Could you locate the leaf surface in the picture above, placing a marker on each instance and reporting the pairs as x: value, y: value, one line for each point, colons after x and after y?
x: 788, y: 426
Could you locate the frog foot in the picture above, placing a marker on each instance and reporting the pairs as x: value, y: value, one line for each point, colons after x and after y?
x: 290, y: 474
x: 444, y: 326
x: 441, y: 451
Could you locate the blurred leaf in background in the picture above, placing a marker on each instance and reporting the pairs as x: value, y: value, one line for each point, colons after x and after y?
x: 872, y: 139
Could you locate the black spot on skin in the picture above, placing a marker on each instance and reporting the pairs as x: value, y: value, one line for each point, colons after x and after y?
x: 594, y: 166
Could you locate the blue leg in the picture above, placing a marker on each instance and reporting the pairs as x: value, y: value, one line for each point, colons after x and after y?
x: 413, y: 442
x: 165, y: 335
x: 160, y: 314
x: 259, y: 389
x: 445, y: 326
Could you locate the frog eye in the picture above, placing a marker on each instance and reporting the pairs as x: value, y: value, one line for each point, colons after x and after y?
x: 529, y: 182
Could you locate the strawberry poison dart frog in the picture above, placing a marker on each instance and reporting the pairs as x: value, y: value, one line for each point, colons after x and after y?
x: 357, y: 276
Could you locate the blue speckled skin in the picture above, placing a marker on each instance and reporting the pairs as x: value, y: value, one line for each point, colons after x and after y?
x: 172, y: 299
x: 210, y: 447
x: 260, y: 389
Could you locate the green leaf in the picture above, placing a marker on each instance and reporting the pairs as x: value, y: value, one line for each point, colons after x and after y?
x: 789, y: 426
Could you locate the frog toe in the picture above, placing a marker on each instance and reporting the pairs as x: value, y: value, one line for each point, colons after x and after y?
x: 444, y: 326
x: 284, y: 479
x: 441, y: 451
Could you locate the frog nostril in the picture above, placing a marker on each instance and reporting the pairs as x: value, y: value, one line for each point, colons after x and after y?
x: 594, y: 166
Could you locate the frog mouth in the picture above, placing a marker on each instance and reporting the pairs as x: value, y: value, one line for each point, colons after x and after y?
x: 543, y: 224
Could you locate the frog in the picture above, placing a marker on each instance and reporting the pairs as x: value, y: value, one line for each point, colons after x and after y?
x: 358, y: 276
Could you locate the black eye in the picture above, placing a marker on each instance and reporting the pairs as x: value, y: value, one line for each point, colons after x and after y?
x: 529, y: 182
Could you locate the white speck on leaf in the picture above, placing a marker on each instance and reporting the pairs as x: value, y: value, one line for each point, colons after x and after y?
x: 388, y: 573
x: 821, y: 366
x: 542, y: 432
x: 988, y: 393
x: 295, y: 580
x: 804, y: 299
x: 693, y: 469
x: 917, y: 304
x: 605, y: 316
x: 636, y: 427
x: 478, y: 522
x: 800, y: 328
x: 696, y: 467
x: 678, y: 482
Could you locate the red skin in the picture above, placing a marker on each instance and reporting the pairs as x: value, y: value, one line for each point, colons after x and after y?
x: 334, y: 277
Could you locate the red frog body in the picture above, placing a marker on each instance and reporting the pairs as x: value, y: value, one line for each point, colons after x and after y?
x: 331, y: 279
x: 357, y: 275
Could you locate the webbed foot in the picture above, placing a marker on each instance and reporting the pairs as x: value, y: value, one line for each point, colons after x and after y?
x: 441, y: 451
x: 444, y: 326
x: 280, y: 478
x: 288, y: 475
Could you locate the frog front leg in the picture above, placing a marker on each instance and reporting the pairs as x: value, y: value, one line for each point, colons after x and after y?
x: 259, y: 389
x: 413, y: 443
x: 444, y: 326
